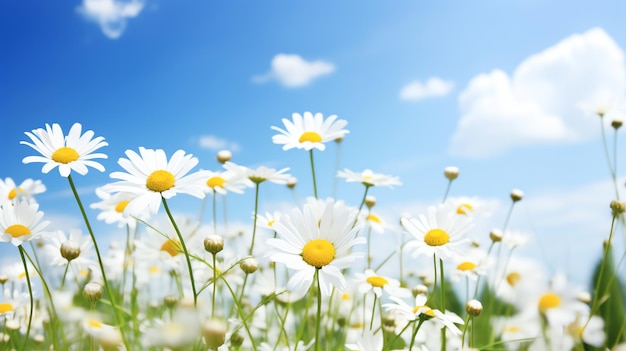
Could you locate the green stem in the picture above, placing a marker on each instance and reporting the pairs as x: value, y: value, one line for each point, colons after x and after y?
x: 313, y: 173
x: 445, y: 195
x: 256, y: 211
x: 182, y: 243
x: 214, y: 211
x: 107, y: 287
x: 443, y: 304
x: 30, y: 293
x: 214, y: 285
x: 319, y: 311
x: 373, y: 311
x: 597, y: 298
x: 367, y: 187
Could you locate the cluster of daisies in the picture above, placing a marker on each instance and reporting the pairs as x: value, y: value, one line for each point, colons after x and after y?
x: 310, y: 279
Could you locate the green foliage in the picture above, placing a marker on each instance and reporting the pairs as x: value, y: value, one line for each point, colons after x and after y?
x: 611, y: 296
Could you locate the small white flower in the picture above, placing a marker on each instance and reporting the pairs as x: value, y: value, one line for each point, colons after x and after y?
x: 369, y: 178
x: 309, y: 131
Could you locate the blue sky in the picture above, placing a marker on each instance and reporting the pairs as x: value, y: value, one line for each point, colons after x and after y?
x: 510, y: 82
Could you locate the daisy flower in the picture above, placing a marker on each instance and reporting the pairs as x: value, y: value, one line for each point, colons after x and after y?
x: 372, y: 281
x: 440, y: 233
x: 411, y: 313
x: 369, y: 341
x: 73, y: 152
x: 150, y: 176
x: 369, y: 178
x: 112, y: 208
x: 309, y: 131
x: 10, y: 192
x: 234, y: 179
x: 263, y: 173
x: 307, y: 245
x: 21, y: 223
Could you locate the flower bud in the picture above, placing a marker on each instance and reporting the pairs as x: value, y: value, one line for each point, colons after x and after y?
x: 617, y: 207
x: 110, y: 339
x: 584, y: 297
x: 291, y: 182
x: 451, y: 173
x: 214, y: 332
x: 473, y: 308
x: 419, y: 290
x: 214, y: 243
x: 495, y: 235
x: 370, y: 201
x: 223, y: 156
x: 93, y: 291
x: 249, y: 265
x: 70, y: 250
x: 516, y: 195
x: 12, y: 325
x: 170, y: 301
x: 616, y: 123
x: 236, y: 340
x: 4, y: 278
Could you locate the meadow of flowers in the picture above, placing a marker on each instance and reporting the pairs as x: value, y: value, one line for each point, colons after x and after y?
x: 315, y: 282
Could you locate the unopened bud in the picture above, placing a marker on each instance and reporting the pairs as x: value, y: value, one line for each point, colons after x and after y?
x: 214, y: 332
x: 4, y: 278
x: 473, y: 308
x: 617, y: 207
x: 39, y: 338
x: 170, y: 301
x: 93, y: 291
x: 370, y: 201
x: 224, y: 156
x: 236, y: 340
x: 495, y: 235
x: 70, y: 250
x: 291, y: 182
x: 584, y: 297
x: 516, y: 195
x: 249, y: 265
x: 12, y: 325
x: 110, y: 339
x: 214, y: 243
x: 419, y: 290
x: 451, y: 173
x: 616, y: 123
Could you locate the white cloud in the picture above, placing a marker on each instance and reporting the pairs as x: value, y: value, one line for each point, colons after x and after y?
x: 433, y: 87
x: 212, y: 142
x: 294, y: 71
x: 111, y: 15
x: 541, y: 102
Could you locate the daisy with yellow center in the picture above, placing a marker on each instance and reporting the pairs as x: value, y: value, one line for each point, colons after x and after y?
x: 308, y: 131
x: 233, y: 179
x: 112, y: 206
x: 369, y: 178
x: 370, y: 281
x: 151, y: 177
x: 10, y: 192
x: 74, y: 152
x: 21, y: 223
x: 420, y: 309
x: 308, y: 244
x: 440, y: 232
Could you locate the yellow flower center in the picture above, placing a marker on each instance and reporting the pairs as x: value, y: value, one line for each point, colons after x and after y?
x: 428, y: 312
x: 376, y: 281
x: 65, y: 155
x: 463, y: 208
x: 172, y: 247
x: 160, y: 181
x: 436, y: 237
x: 13, y: 193
x: 94, y: 324
x: 512, y: 329
x: 17, y: 230
x: 5, y: 307
x: 345, y: 296
x: 119, y: 208
x: 466, y: 266
x: 318, y: 253
x: 373, y: 218
x: 271, y: 223
x: 512, y: 278
x: 549, y: 300
x: 214, y: 182
x: 310, y: 136
x: 154, y: 269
